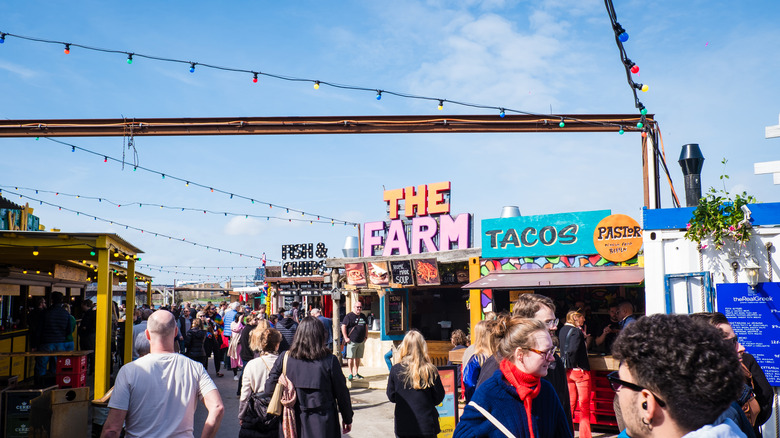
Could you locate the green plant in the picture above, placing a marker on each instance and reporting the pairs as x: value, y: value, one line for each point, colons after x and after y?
x: 719, y: 217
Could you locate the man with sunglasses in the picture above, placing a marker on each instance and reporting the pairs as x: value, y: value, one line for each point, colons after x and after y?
x: 542, y: 308
x: 676, y: 376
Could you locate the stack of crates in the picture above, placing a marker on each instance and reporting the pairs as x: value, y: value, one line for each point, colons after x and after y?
x: 72, y: 371
x: 17, y: 404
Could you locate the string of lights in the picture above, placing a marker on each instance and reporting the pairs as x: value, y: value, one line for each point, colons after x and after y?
x: 161, y: 206
x: 317, y: 83
x: 621, y: 36
x: 631, y: 68
x: 212, y: 189
x: 152, y: 265
x: 130, y: 227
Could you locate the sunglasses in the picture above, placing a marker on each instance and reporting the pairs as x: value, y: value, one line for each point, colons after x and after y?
x: 549, y: 354
x: 617, y: 383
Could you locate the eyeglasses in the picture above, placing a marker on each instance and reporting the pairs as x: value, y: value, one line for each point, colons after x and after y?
x: 734, y: 340
x: 617, y: 383
x: 552, y: 323
x: 546, y: 354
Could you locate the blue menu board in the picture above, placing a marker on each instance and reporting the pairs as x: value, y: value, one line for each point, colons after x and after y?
x: 755, y: 318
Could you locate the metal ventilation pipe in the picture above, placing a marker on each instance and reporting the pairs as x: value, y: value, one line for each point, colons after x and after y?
x: 691, y: 160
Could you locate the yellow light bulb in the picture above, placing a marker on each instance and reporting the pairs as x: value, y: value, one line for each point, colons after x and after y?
x: 35, y: 252
x: 317, y: 85
x: 645, y: 88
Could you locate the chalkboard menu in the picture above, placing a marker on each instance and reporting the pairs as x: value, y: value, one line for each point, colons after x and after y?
x: 288, y: 300
x: 394, y: 313
x: 755, y: 318
x: 402, y: 273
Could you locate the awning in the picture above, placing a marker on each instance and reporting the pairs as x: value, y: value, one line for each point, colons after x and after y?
x: 535, y: 278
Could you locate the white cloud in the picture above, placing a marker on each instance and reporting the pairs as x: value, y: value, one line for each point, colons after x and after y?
x: 18, y: 70
x: 244, y: 226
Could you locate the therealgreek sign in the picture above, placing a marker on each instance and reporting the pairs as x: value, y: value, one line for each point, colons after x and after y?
x: 543, y: 235
x: 755, y: 318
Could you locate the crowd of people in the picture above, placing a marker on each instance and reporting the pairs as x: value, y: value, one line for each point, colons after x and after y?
x: 525, y: 375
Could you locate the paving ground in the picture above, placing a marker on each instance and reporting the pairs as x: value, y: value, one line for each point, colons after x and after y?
x: 373, y: 412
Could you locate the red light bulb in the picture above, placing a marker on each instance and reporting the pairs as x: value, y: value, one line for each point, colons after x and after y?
x: 635, y: 69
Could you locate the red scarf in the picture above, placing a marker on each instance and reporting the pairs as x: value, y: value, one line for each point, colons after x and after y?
x: 526, y: 385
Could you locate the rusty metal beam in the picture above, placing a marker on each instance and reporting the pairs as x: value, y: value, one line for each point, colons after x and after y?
x: 318, y: 125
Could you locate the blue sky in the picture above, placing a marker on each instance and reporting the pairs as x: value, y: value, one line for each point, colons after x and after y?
x: 710, y: 66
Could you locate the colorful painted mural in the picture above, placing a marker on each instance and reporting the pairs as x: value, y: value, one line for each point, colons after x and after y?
x: 581, y: 261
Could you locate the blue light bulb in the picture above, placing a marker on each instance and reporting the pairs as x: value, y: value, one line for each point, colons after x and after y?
x: 623, y: 37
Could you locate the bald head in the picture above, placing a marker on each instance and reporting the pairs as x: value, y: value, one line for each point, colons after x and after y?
x: 161, y: 326
x: 315, y: 312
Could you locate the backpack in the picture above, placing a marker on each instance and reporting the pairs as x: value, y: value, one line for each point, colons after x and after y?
x: 255, y: 415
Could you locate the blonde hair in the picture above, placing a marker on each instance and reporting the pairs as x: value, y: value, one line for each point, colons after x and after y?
x: 258, y: 342
x: 417, y: 370
x: 516, y: 332
x: 484, y: 341
x: 570, y: 317
x: 197, y: 323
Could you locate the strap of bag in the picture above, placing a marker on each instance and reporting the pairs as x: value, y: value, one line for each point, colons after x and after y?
x: 492, y: 419
x: 284, y: 364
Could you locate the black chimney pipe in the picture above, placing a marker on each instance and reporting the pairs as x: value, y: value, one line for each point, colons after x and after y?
x: 691, y: 160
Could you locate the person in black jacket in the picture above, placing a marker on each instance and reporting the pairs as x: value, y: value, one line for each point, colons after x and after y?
x: 194, y: 343
x: 320, y: 386
x: 574, y: 355
x: 415, y: 388
x: 54, y: 328
x: 287, y: 328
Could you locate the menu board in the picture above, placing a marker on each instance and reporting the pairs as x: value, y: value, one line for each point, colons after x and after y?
x: 394, y: 313
x: 402, y: 273
x: 427, y: 271
x: 356, y: 274
x: 448, y: 409
x: 755, y: 318
x: 378, y: 273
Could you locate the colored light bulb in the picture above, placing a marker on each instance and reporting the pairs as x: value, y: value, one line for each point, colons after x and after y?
x: 254, y: 79
x: 35, y: 251
x: 378, y: 95
x: 105, y: 159
x: 640, y: 125
x: 634, y: 69
x: 192, y: 67
x: 441, y: 105
x: 645, y: 88
x: 621, y: 132
x: 643, y: 111
x: 67, y: 49
x: 502, y: 114
x: 316, y: 85
x: 2, y: 38
x: 92, y: 253
x: 562, y: 124
x: 130, y: 59
x: 623, y: 37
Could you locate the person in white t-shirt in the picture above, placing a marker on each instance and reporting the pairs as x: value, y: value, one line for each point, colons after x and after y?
x: 157, y: 394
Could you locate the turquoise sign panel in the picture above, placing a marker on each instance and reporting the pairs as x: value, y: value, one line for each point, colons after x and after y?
x: 543, y: 235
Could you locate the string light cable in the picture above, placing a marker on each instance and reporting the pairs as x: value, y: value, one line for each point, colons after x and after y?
x: 159, y: 206
x: 622, y: 36
x: 376, y: 92
x: 189, y: 182
x: 141, y: 230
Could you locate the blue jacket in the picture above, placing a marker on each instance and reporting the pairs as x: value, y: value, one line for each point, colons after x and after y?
x: 230, y: 315
x: 499, y: 398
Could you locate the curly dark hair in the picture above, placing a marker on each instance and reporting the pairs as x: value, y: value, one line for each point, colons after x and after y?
x: 683, y: 361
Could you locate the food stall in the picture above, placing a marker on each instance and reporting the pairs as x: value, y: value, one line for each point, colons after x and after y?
x: 586, y: 260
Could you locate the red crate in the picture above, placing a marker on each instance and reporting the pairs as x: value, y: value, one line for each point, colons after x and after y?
x: 72, y: 380
x: 71, y: 364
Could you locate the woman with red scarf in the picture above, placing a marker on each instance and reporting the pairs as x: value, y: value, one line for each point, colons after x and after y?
x: 515, y: 401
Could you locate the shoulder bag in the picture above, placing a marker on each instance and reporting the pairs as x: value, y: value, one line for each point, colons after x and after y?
x: 275, y: 405
x: 492, y: 419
